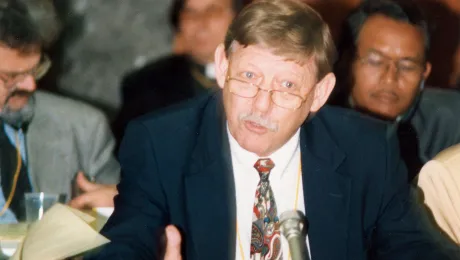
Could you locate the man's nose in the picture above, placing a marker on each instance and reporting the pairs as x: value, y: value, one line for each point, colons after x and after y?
x: 390, y: 73
x: 27, y: 84
x: 262, y: 101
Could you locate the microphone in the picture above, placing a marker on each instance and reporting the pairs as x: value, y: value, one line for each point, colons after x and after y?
x: 294, y: 227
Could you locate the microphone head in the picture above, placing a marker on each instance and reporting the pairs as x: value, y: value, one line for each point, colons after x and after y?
x: 293, y: 223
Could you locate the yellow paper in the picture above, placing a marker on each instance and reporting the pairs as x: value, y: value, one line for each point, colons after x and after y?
x: 62, y: 232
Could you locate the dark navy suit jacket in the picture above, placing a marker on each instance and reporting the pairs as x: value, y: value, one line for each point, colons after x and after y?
x: 176, y: 169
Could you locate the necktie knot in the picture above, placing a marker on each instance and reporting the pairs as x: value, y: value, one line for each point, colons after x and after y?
x: 264, y: 166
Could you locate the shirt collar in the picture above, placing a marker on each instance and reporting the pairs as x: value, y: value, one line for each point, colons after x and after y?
x: 281, y: 157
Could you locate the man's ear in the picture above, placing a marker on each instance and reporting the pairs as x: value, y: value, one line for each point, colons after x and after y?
x: 322, y: 92
x: 427, y: 71
x: 221, y: 63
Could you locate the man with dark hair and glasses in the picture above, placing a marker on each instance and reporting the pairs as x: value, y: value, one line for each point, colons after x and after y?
x: 45, y: 140
x: 382, y: 71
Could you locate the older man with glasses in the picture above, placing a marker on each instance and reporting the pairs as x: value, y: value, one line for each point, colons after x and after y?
x: 45, y: 140
x: 225, y: 169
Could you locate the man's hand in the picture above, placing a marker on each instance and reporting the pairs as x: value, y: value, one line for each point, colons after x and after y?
x: 95, y: 195
x: 173, y: 243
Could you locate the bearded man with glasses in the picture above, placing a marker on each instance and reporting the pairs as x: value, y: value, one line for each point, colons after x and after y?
x: 45, y: 140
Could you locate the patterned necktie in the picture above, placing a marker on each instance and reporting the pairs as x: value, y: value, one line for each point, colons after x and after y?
x: 265, y: 234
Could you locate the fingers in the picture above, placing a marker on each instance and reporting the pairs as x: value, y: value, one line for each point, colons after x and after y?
x: 173, y: 243
x: 101, y: 197
x: 84, y: 184
x: 81, y: 201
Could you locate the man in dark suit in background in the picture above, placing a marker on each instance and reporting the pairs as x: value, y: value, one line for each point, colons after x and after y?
x: 382, y: 71
x: 223, y: 167
x: 202, y: 25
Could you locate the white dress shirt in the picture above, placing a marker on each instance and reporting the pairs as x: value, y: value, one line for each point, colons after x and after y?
x: 284, y: 180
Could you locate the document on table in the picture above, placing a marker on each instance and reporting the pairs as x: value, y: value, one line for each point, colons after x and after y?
x: 62, y: 232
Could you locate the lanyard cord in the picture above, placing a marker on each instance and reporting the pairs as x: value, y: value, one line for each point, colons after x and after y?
x: 15, y: 178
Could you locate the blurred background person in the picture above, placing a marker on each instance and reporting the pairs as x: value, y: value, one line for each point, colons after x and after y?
x: 382, y: 71
x: 439, y: 182
x: 44, y: 139
x: 201, y: 26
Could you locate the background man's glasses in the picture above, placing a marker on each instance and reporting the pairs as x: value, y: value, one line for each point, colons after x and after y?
x: 407, y: 69
x: 249, y: 90
x: 9, y: 80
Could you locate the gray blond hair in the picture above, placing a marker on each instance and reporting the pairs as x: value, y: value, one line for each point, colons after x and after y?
x: 291, y: 28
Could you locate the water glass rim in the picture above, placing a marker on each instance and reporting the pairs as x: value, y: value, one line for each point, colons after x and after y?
x: 42, y: 195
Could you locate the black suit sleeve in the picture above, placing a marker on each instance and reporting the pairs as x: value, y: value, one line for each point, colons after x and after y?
x: 401, y: 232
x: 140, y: 212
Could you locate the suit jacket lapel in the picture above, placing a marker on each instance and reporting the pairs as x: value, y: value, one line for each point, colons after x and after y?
x: 209, y: 189
x: 326, y: 191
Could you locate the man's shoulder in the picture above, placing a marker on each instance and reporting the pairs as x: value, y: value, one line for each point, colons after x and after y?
x: 365, y: 142
x: 433, y: 94
x: 345, y: 121
x: 444, y: 102
x: 353, y: 132
x: 64, y: 108
x: 438, y: 111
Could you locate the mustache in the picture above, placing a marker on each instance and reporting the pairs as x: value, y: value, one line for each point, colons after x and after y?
x: 20, y: 93
x: 15, y: 93
x: 272, y: 126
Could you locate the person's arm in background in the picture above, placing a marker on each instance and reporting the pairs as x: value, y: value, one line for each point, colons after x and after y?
x: 97, y: 161
x: 97, y: 150
x: 94, y: 195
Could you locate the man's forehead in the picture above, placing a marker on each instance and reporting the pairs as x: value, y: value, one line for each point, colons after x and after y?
x: 16, y: 61
x: 391, y: 37
x: 203, y: 4
x: 261, y: 56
